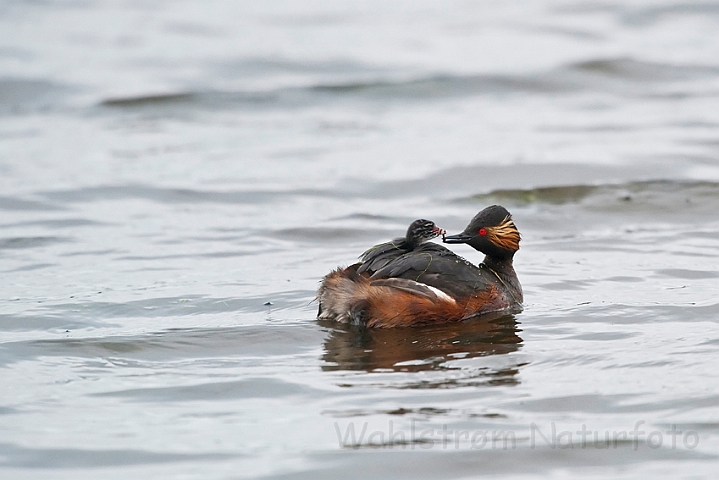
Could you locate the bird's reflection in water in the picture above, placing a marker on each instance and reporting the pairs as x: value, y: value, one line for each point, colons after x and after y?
x: 418, y: 348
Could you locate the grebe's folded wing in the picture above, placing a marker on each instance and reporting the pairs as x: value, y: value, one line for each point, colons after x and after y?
x: 410, y: 286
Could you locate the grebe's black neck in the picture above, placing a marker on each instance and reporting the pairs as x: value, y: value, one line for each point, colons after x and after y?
x: 497, y: 263
x: 503, y: 268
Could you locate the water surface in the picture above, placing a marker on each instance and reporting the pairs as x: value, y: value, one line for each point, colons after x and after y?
x: 176, y: 178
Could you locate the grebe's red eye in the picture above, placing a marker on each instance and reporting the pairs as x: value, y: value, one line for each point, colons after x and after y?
x: 482, y: 231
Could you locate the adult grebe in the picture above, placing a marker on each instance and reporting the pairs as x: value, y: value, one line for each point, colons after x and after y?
x: 429, y: 283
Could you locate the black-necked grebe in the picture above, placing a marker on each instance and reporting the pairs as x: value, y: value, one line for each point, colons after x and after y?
x: 429, y: 283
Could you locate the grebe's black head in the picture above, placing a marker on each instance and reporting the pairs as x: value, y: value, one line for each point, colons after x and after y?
x: 492, y: 232
x: 422, y: 230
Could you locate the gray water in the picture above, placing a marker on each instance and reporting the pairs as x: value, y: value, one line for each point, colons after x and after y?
x: 176, y: 178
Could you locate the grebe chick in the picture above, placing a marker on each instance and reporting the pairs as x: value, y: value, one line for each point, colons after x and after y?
x: 431, y: 284
x: 379, y: 256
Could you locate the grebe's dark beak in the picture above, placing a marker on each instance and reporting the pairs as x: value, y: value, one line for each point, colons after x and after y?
x: 459, y: 238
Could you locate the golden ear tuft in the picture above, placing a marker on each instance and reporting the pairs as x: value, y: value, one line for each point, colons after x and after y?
x: 505, y: 235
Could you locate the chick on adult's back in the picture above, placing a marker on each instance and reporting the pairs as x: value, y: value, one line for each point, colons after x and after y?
x: 379, y: 256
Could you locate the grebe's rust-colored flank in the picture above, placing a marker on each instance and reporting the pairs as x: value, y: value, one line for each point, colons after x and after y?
x: 425, y: 283
x: 359, y: 300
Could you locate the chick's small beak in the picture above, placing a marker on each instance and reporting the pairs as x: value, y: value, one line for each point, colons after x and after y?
x: 439, y: 231
x: 458, y: 238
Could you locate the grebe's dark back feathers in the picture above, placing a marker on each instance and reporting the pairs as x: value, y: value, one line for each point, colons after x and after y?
x: 380, y: 255
x: 438, y: 267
